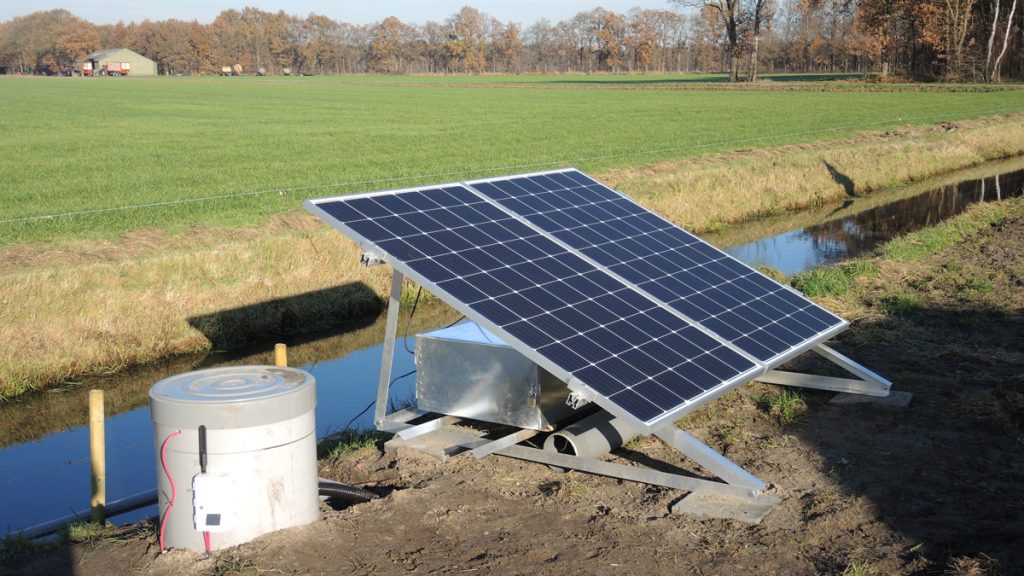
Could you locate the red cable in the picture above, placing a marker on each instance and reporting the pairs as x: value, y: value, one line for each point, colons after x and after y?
x: 174, y: 494
x: 206, y: 541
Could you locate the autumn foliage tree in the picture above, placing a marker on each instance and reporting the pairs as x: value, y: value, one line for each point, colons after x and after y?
x: 955, y: 40
x: 385, y: 54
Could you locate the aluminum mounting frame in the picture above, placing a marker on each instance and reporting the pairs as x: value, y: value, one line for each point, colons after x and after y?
x: 743, y: 491
x: 866, y: 383
x: 737, y: 494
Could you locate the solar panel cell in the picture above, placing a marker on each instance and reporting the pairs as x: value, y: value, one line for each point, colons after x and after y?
x: 462, y: 290
x: 561, y: 355
x: 636, y: 404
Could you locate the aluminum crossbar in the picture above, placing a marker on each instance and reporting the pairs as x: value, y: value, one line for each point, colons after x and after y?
x: 632, y: 473
x: 428, y: 426
x: 504, y: 442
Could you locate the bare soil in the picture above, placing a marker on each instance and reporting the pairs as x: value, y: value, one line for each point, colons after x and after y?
x: 937, y: 488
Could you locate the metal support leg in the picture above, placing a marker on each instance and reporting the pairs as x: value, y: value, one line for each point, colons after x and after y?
x: 867, y: 382
x: 398, y: 421
x: 710, y: 460
x: 388, y: 357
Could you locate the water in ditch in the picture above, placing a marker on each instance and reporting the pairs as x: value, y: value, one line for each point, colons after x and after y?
x: 44, y: 440
x: 857, y: 226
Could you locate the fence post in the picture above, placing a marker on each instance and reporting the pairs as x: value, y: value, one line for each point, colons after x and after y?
x: 98, y: 456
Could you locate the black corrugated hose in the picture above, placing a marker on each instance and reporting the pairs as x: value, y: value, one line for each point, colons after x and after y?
x: 333, y: 489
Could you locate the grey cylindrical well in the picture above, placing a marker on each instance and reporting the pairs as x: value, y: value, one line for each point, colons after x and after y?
x: 591, y: 437
x: 261, y: 438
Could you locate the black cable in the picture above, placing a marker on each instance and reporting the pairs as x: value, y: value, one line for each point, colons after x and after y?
x: 408, y: 323
x: 374, y: 401
x: 406, y: 345
x: 460, y: 319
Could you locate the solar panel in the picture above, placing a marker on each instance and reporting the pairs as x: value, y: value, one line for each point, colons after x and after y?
x: 765, y: 319
x: 577, y: 321
x: 645, y: 318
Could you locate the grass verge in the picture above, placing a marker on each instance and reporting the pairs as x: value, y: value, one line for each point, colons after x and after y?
x: 81, y: 307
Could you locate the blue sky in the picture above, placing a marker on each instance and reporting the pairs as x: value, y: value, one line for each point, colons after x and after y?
x: 522, y: 11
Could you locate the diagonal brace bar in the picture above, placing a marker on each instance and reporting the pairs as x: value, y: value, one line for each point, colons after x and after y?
x: 710, y: 460
x: 503, y: 442
x: 632, y: 473
x: 867, y: 382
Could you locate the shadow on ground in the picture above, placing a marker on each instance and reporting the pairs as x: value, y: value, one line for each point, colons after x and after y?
x: 301, y: 318
x: 946, y: 472
x: 842, y: 179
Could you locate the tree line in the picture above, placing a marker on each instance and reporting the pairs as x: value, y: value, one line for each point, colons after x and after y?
x: 953, y: 40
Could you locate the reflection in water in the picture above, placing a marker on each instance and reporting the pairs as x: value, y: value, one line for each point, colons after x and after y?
x: 835, y: 240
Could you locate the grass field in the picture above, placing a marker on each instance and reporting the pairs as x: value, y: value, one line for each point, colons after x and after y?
x: 256, y: 147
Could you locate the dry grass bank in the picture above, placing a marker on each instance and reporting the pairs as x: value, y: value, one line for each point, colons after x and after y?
x: 92, y: 308
x: 706, y: 192
x: 83, y: 308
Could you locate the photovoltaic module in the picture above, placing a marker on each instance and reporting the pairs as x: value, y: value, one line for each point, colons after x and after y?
x: 631, y: 311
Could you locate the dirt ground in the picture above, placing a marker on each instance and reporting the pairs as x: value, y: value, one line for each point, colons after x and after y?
x: 936, y: 488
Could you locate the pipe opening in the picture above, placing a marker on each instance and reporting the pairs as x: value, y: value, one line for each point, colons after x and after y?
x: 563, y: 445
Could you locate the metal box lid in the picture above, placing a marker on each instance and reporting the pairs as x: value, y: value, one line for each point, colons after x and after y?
x: 470, y: 332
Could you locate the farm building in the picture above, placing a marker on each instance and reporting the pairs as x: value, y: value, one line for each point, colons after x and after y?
x: 118, y: 62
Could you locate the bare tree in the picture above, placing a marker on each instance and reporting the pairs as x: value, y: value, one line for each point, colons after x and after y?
x: 958, y: 16
x: 991, y: 41
x: 762, y: 11
x: 729, y: 12
x: 1006, y: 42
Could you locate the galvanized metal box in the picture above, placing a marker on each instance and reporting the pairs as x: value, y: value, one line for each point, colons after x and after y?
x: 468, y: 372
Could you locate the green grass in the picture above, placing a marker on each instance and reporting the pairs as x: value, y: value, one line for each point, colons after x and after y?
x: 15, y: 545
x: 624, y: 78
x: 341, y: 444
x: 833, y: 280
x: 901, y: 305
x: 786, y: 406
x: 931, y: 240
x: 263, y: 145
x: 90, y: 531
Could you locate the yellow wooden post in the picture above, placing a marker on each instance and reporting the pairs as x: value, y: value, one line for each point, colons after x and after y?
x: 281, y: 355
x: 98, y: 456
